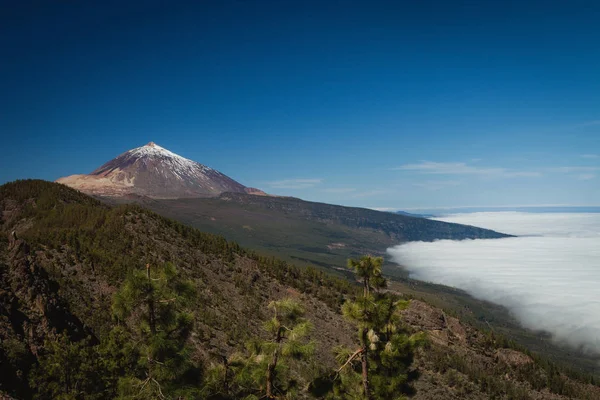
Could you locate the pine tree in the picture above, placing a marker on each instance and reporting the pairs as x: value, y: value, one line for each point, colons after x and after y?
x: 229, y: 378
x: 287, y: 329
x: 118, y: 356
x: 67, y: 370
x: 368, y: 269
x: 385, y: 349
x: 151, y: 305
x: 265, y: 372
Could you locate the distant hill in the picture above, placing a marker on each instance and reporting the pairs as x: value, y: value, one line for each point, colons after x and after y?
x: 155, y: 172
x: 307, y: 232
x: 63, y: 254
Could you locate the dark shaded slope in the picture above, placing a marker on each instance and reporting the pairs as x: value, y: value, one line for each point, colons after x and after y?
x: 399, y: 227
x: 30, y: 307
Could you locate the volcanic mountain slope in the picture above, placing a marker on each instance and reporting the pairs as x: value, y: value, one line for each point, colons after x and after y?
x: 69, y: 253
x: 155, y: 172
x: 308, y: 232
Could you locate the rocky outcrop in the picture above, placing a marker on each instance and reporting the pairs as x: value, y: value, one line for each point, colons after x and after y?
x: 35, y: 303
x: 31, y: 311
x: 442, y: 329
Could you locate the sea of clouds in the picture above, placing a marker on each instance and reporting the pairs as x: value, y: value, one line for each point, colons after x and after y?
x: 549, y: 277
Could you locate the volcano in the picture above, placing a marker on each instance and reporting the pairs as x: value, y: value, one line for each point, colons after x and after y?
x: 155, y: 172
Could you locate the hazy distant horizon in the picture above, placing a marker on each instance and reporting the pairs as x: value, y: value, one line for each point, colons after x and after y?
x: 441, y: 211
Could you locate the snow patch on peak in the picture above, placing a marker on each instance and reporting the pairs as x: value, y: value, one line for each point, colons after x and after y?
x: 181, y: 166
x: 152, y: 149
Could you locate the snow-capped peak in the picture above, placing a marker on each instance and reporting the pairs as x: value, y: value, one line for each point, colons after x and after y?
x: 152, y: 149
x: 154, y: 171
x: 180, y: 165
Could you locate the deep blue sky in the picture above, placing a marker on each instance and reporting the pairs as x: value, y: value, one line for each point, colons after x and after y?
x: 415, y: 104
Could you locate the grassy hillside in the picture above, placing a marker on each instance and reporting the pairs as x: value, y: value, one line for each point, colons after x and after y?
x: 63, y: 255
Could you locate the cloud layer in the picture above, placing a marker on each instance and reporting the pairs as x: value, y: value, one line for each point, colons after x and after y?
x: 549, y: 279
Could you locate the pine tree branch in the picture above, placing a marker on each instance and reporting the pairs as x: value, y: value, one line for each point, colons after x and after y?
x: 143, y: 384
x: 162, y: 396
x: 167, y: 300
x: 353, y: 356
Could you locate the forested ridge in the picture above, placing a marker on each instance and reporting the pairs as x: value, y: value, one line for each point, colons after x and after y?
x: 132, y: 304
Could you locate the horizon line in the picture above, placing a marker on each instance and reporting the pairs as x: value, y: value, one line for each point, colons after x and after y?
x: 492, y: 206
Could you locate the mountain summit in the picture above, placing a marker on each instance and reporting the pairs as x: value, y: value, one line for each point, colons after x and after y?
x: 155, y: 172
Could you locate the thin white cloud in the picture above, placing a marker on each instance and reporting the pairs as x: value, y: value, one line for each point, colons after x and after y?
x: 387, y: 209
x: 585, y: 177
x: 578, y: 172
x: 590, y: 156
x: 295, y: 183
x: 436, y: 185
x: 339, y: 190
x: 461, y: 168
x: 549, y: 279
x: 574, y: 169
